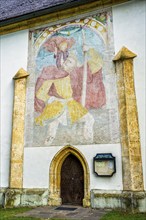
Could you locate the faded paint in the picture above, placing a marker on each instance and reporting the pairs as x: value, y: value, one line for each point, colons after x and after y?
x: 72, y: 67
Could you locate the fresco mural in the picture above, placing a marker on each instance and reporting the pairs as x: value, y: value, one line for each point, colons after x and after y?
x: 70, y: 92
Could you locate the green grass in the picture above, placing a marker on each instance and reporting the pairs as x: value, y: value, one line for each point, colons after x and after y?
x: 10, y: 214
x: 115, y: 215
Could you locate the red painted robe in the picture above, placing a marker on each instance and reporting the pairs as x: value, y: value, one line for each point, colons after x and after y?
x: 95, y: 93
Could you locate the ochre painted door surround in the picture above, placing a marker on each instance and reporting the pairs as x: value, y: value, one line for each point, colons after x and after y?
x: 55, y: 176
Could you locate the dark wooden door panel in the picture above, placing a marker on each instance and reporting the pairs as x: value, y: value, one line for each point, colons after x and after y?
x: 72, y: 181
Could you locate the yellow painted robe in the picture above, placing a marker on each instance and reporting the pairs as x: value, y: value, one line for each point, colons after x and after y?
x: 55, y: 108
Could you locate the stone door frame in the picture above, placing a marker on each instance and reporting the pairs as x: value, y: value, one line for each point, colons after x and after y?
x: 55, y: 176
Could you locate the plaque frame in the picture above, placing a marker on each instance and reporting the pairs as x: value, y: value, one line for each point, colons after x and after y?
x: 104, y: 165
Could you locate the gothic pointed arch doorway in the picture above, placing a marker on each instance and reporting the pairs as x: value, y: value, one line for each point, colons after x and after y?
x: 72, y: 181
x: 66, y: 155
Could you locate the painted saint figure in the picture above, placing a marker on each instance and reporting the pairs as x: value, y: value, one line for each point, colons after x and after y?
x: 59, y: 89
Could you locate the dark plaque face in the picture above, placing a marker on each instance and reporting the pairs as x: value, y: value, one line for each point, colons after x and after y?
x: 104, y: 165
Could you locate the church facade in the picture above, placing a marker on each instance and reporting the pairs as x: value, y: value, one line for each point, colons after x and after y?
x: 73, y: 105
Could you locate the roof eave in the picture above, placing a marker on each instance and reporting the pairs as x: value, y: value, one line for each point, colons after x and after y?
x: 43, y: 12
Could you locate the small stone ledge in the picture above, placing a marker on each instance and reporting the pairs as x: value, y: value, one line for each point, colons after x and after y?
x: 124, y: 200
x: 34, y: 191
x: 136, y: 195
x: 25, y: 197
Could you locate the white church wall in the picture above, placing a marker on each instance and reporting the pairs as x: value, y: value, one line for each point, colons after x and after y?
x: 14, y: 49
x: 129, y: 30
x: 38, y: 154
x: 37, y: 162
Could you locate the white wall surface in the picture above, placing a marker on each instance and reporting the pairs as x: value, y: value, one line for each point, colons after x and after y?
x: 129, y: 31
x: 14, y: 49
x: 37, y: 163
x: 129, y: 21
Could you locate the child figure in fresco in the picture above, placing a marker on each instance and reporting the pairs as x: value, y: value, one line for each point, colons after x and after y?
x: 59, y: 91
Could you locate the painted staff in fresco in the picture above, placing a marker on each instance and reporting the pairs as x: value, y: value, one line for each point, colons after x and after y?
x: 65, y: 92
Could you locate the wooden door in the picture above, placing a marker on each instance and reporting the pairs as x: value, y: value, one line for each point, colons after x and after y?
x: 72, y: 181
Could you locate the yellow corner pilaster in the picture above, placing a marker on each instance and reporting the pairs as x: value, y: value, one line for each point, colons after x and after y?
x: 17, y: 147
x: 129, y: 127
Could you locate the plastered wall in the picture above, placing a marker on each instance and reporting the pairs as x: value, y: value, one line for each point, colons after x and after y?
x: 129, y: 25
x: 37, y: 162
x: 14, y: 50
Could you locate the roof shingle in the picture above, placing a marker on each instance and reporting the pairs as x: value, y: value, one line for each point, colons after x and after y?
x: 15, y: 8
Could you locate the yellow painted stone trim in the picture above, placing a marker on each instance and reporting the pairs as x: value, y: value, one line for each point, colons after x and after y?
x: 59, y: 15
x: 55, y: 176
x: 124, y: 54
x: 17, y: 147
x: 129, y: 127
x: 21, y: 74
